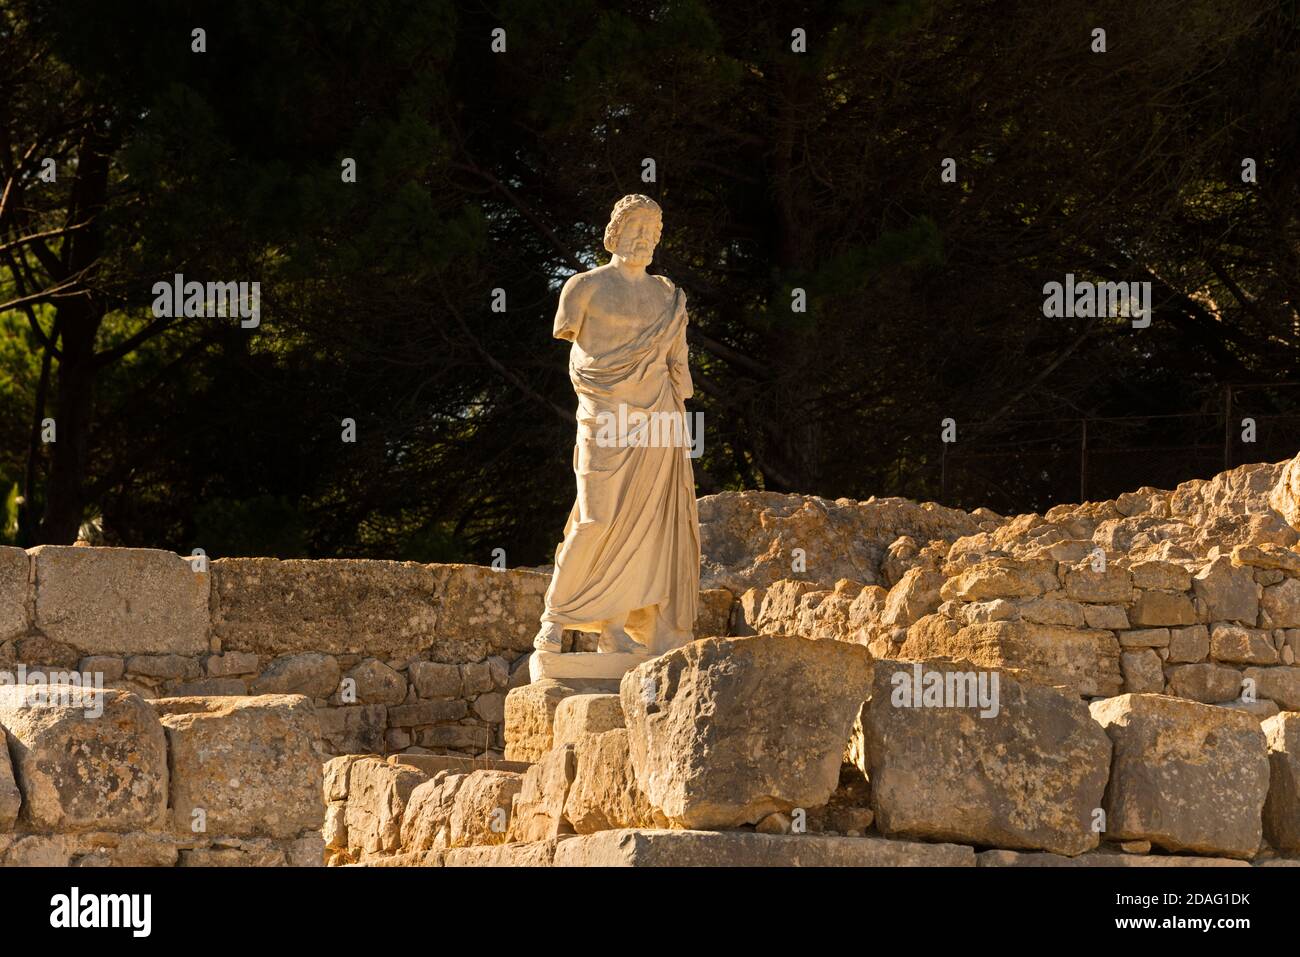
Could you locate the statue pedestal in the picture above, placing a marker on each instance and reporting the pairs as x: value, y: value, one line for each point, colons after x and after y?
x: 583, y: 664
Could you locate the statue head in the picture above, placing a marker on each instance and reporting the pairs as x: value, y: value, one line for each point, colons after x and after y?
x: 634, y: 229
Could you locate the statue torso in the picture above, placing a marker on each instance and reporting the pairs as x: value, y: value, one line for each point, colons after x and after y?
x: 618, y: 310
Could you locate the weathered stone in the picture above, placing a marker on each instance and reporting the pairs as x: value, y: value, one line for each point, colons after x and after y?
x: 1002, y: 578
x: 1285, y: 494
x: 1277, y: 684
x: 310, y: 673
x: 1268, y: 556
x: 1087, y: 661
x: 120, y: 600
x: 376, y: 683
x: 111, y: 667
x: 1189, y: 644
x: 1234, y: 643
x: 380, y: 608
x: 580, y: 715
x: 78, y: 770
x: 684, y: 848
x: 1027, y: 776
x: 1162, y: 608
x: 353, y: 729
x: 1282, y: 806
x: 604, y: 793
x: 251, y: 764
x: 426, y: 712
x: 914, y: 595
x: 490, y: 707
x: 1229, y: 592
x: 435, y: 680
x: 335, y: 776
x: 1205, y: 682
x: 1144, y: 638
x: 476, y: 678
x: 530, y: 716
x: 1142, y: 671
x: 457, y: 737
x: 1280, y: 607
x: 377, y: 796
x: 499, y: 669
x: 1101, y: 858
x: 1105, y: 617
x: 162, y: 666
x: 1114, y: 585
x: 481, y: 809
x: 1185, y: 776
x: 726, y: 731
x: 306, y: 851
x: 431, y: 764
x: 11, y: 799
x: 335, y: 829
x: 256, y: 852
x: 535, y: 854
x: 232, y: 663
x: 538, y: 813
x: 15, y: 588
x: 713, y: 612
x: 207, y: 687
x: 746, y: 538
x: 1053, y: 611
x: 1165, y: 576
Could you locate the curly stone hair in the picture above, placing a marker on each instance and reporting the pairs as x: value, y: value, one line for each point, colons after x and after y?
x: 621, y: 209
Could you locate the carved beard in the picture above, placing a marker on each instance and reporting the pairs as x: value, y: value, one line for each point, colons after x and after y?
x: 637, y: 257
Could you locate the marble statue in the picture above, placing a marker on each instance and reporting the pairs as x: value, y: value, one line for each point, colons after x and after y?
x: 629, y: 566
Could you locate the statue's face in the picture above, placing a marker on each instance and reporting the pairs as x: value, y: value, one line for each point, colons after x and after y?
x: 638, y: 235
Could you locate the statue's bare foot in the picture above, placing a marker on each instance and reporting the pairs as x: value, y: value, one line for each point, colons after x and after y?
x: 550, y: 637
x: 615, y: 639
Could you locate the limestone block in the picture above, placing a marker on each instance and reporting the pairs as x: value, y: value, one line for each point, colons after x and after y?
x: 310, y: 673
x: 1281, y: 605
x: 78, y: 770
x: 162, y: 666
x: 1165, y: 576
x: 250, y: 763
x: 1101, y: 858
x: 535, y: 854
x: 684, y: 848
x: 1268, y: 556
x: 253, y: 852
x: 725, y: 731
x: 1106, y: 617
x: 1084, y: 660
x: 15, y: 591
x: 1054, y: 611
x: 435, y: 680
x: 1144, y: 638
x: 1185, y: 776
x: 207, y: 687
x: 713, y: 612
x: 480, y: 811
x: 1112, y: 586
x: 1282, y: 806
x: 11, y: 799
x: 482, y: 611
x: 538, y: 812
x: 1189, y: 644
x: 112, y: 668
x: 530, y: 715
x: 426, y: 821
x: 376, y: 683
x: 1229, y: 592
x: 1154, y: 608
x: 490, y: 707
x: 426, y: 712
x: 377, y: 796
x: 116, y: 601
x: 1027, y: 776
x: 231, y: 663
x: 476, y: 678
x: 1277, y: 684
x: 582, y: 714
x: 604, y: 794
x: 353, y: 729
x: 1002, y: 578
x: 1235, y: 643
x: 1205, y: 682
x: 1143, y: 671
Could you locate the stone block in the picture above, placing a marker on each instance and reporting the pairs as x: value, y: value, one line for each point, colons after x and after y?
x: 121, y: 601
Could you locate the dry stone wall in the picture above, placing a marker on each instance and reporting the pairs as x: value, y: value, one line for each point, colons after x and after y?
x: 396, y: 656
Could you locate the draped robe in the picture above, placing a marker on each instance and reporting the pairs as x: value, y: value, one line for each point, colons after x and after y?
x: 631, y: 545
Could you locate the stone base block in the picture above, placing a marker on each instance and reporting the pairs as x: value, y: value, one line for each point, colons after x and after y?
x: 583, y: 664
